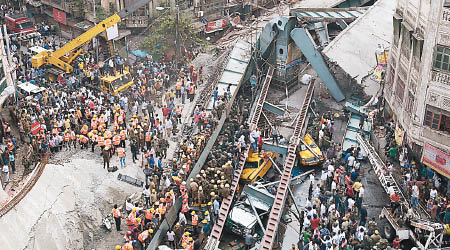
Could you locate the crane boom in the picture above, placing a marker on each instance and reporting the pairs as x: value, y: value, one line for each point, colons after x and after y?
x: 59, y: 58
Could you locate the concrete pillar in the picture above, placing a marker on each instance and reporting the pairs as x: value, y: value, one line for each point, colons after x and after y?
x: 434, y: 17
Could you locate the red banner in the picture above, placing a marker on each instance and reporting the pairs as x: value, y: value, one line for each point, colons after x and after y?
x: 35, y: 128
x: 436, y: 159
x: 59, y: 16
x: 216, y: 25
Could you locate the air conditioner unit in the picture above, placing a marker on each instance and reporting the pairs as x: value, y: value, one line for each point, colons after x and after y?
x: 200, y: 13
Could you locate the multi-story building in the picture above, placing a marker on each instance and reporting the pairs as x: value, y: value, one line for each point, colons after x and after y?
x: 417, y: 86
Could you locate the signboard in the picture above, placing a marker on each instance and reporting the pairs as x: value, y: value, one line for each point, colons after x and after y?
x: 436, y: 159
x: 399, y: 134
x: 112, y: 32
x: 59, y: 16
x: 35, y: 128
x: 216, y: 25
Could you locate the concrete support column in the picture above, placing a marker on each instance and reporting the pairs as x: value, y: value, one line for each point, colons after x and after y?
x: 434, y: 18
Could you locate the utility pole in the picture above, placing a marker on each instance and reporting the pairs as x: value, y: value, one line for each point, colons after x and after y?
x: 10, y: 73
x: 176, y: 35
x: 95, y: 41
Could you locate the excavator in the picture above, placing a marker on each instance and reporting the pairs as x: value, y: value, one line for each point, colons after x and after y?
x: 63, y: 57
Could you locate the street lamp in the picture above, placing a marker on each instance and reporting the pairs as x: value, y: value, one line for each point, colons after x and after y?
x: 177, y: 16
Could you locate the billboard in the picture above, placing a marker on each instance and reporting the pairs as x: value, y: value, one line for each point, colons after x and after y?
x: 59, y: 16
x: 216, y: 25
x: 436, y: 159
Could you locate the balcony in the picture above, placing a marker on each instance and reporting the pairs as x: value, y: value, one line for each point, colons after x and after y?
x: 446, y: 15
x: 137, y: 22
x: 440, y: 137
x: 440, y: 77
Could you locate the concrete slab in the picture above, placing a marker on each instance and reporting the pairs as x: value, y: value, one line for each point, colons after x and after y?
x: 354, y: 48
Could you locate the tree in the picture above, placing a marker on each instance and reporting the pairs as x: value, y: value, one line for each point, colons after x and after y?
x: 101, y: 14
x: 162, y: 35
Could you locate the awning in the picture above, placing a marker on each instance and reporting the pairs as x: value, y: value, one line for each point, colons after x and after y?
x: 436, y: 159
x: 397, y: 16
x: 122, y: 34
x: 408, y: 27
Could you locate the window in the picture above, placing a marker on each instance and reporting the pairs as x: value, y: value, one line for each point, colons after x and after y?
x: 396, y: 23
x: 406, y: 33
x: 410, y: 103
x: 417, y: 47
x: 400, y: 89
x: 442, y: 59
x: 432, y: 120
x: 437, y: 119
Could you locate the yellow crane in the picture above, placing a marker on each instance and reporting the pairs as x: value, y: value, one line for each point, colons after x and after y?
x: 60, y: 59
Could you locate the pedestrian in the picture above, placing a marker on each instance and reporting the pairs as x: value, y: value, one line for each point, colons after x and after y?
x: 146, y: 194
x: 275, y: 134
x: 12, y: 162
x: 5, y: 170
x: 414, y: 195
x: 171, y: 238
x: 121, y: 154
x: 106, y: 157
x: 117, y: 215
x: 216, y: 94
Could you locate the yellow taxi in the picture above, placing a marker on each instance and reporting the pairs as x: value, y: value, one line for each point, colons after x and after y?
x: 309, y: 152
x: 115, y: 84
x: 256, y: 166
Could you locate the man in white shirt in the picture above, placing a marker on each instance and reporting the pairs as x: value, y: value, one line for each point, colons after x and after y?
x: 433, y: 193
x: 360, y: 196
x: 351, y: 161
x: 414, y: 195
x: 182, y: 219
x: 171, y: 238
x: 351, y: 203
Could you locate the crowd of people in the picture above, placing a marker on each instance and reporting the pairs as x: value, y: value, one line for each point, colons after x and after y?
x: 73, y: 114
x: 200, y: 196
x: 335, y: 217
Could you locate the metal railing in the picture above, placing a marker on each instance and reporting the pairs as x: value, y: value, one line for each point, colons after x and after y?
x: 214, y: 238
x: 280, y: 198
x: 441, y: 77
x: 446, y: 14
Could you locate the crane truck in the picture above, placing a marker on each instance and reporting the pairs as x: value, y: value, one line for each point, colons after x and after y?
x: 63, y: 57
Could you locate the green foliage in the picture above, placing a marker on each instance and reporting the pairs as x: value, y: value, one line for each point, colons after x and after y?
x: 162, y: 36
x: 101, y: 14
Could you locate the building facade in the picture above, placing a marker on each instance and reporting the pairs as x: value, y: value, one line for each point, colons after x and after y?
x: 417, y: 85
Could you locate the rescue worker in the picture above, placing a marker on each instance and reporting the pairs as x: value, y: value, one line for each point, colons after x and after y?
x: 144, y: 237
x: 117, y: 215
x: 195, y: 222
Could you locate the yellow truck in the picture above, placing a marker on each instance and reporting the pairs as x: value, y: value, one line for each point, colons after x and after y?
x: 115, y: 84
x: 256, y: 166
x: 309, y: 152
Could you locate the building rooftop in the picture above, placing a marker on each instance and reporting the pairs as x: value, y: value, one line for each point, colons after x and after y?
x: 354, y: 48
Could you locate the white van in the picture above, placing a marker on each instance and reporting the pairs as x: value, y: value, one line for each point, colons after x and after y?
x: 28, y: 89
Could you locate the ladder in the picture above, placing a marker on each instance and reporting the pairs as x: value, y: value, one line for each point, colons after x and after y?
x: 280, y: 198
x: 216, y: 232
x: 433, y: 231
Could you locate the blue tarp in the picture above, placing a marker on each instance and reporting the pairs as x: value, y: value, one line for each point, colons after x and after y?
x: 139, y: 53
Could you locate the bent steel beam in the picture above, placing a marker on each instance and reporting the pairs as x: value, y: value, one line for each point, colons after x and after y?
x: 316, y: 60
